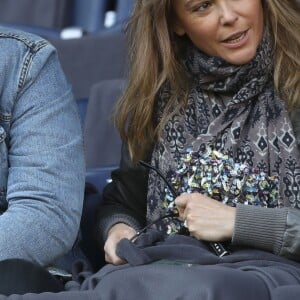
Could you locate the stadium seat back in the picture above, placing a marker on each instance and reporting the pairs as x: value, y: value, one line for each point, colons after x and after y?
x: 102, y: 141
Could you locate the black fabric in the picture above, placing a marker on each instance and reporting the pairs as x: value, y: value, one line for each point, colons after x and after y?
x: 125, y: 194
x: 20, y: 277
x: 94, y: 254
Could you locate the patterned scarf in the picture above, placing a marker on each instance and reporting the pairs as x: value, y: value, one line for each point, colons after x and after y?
x: 235, y: 110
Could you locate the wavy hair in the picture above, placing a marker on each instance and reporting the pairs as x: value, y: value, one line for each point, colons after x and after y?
x: 283, y: 17
x: 154, y: 52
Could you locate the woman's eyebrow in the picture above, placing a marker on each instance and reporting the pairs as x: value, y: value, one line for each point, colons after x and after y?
x: 189, y: 3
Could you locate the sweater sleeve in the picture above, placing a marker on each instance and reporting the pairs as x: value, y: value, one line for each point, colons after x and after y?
x: 124, y: 199
x: 272, y: 229
x: 259, y: 227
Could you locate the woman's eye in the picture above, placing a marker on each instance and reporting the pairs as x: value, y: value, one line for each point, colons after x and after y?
x: 202, y: 7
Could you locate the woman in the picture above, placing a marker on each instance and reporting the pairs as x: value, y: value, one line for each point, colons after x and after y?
x: 210, y: 76
x: 223, y: 74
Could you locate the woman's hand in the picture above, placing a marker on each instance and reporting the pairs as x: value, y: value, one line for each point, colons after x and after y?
x: 115, y: 234
x: 205, y: 218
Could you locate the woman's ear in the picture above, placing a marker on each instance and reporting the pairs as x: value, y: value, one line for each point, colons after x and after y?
x: 178, y: 29
x: 176, y: 8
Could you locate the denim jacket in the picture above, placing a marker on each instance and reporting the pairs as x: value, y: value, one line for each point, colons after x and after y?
x: 41, y: 152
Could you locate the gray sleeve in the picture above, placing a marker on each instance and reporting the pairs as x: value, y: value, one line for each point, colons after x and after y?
x: 291, y: 238
x: 272, y: 229
x: 260, y: 227
x: 109, y: 221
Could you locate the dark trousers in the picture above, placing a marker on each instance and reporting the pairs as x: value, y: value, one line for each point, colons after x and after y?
x: 21, y: 277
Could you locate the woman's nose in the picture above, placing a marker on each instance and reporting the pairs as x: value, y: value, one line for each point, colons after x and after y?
x: 227, y: 14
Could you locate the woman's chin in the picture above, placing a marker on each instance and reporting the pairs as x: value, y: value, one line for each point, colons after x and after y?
x: 240, y: 57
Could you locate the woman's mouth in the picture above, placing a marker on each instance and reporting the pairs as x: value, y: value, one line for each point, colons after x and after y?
x: 237, y: 39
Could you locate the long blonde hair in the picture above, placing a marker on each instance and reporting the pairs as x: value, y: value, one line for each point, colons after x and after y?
x: 283, y: 17
x: 154, y: 61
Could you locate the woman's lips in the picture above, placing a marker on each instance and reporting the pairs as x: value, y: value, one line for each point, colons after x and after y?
x: 236, y: 40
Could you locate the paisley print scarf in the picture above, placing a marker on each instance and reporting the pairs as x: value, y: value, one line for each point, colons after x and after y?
x: 235, y: 110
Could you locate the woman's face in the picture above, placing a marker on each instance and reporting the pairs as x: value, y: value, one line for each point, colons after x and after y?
x: 230, y: 29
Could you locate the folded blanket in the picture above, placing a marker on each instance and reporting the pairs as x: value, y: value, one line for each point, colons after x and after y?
x: 181, y: 267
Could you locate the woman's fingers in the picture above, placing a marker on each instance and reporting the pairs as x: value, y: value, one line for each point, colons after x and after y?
x: 206, y: 218
x: 115, y: 234
x: 111, y: 258
x: 180, y: 202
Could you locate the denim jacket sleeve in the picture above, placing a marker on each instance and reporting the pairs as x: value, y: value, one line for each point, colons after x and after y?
x: 45, y: 161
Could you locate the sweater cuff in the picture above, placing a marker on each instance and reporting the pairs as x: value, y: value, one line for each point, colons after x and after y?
x: 106, y: 223
x: 259, y: 227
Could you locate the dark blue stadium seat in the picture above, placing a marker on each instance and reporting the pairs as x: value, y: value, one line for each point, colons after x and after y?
x: 123, y: 10
x: 64, y: 18
x: 99, y: 177
x: 51, y: 14
x: 89, y: 14
x: 45, y: 18
x: 102, y: 148
x: 102, y: 141
x: 82, y: 107
x: 91, y: 59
